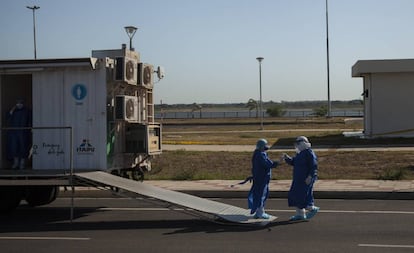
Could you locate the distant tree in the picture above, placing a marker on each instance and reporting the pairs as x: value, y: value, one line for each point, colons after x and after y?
x: 252, y: 104
x: 196, y: 107
x: 321, y: 111
x: 275, y: 111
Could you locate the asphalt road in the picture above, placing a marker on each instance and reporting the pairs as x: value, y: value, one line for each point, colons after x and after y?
x: 125, y: 225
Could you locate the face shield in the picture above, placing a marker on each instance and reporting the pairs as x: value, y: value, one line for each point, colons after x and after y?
x: 301, y: 144
x: 262, y: 144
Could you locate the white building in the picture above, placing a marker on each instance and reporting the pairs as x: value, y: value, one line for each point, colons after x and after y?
x: 388, y: 91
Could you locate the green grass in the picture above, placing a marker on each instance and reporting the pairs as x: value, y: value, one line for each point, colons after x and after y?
x: 246, y: 131
x: 191, y: 165
x: 186, y: 165
x: 395, y: 173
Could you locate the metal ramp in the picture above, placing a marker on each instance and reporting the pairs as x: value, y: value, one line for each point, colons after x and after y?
x: 224, y: 211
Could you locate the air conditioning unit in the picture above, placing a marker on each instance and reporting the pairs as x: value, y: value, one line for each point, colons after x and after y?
x: 143, y: 139
x: 127, y: 108
x: 145, y: 77
x: 126, y: 70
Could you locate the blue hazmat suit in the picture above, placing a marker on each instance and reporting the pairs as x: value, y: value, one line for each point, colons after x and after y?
x: 304, y: 164
x: 19, y: 140
x: 262, y: 172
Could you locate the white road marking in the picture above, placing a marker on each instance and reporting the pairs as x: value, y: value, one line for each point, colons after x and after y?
x: 138, y: 209
x: 386, y: 246
x: 44, y: 238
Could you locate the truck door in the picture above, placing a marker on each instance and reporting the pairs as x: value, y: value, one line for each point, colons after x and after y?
x: 12, y: 87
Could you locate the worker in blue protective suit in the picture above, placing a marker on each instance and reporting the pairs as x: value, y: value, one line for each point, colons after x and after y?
x: 305, y: 173
x: 261, y: 171
x: 19, y: 139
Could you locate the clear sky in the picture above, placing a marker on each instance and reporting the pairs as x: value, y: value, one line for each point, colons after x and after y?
x: 209, y: 47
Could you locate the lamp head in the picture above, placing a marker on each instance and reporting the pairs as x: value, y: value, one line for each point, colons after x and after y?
x: 130, y: 30
x: 34, y: 7
x: 260, y: 59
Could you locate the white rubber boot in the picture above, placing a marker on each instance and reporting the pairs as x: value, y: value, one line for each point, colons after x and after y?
x: 300, y: 215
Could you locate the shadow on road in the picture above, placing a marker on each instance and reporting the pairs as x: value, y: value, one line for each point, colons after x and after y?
x: 41, y: 219
x: 212, y: 227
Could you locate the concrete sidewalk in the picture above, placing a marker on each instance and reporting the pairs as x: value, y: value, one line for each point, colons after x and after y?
x: 354, y: 189
x: 337, y: 189
x: 250, y: 148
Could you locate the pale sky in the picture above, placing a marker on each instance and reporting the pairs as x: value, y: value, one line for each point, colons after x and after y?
x: 209, y: 47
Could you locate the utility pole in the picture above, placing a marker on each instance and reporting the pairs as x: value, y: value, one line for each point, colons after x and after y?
x: 327, y: 60
x: 260, y: 59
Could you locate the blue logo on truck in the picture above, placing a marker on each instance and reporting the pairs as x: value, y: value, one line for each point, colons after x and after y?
x: 85, y: 147
x: 79, y: 91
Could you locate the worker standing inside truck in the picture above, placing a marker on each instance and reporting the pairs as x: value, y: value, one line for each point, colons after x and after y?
x: 262, y: 173
x: 19, y: 139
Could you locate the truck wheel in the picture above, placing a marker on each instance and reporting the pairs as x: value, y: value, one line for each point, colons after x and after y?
x: 41, y: 195
x: 10, y: 197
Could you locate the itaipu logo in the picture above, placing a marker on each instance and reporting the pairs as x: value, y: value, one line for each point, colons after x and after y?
x: 85, y: 147
x: 79, y: 91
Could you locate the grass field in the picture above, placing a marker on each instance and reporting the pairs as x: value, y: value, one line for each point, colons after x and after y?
x: 186, y: 165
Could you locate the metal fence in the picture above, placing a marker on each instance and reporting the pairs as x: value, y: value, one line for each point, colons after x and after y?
x: 252, y: 114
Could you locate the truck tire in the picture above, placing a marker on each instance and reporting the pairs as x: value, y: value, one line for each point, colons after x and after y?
x: 10, y: 197
x: 41, y: 195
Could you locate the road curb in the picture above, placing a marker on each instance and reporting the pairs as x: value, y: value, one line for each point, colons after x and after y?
x: 352, y: 195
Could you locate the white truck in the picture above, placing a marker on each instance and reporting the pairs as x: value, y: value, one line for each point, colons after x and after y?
x: 88, y: 114
x: 91, y: 118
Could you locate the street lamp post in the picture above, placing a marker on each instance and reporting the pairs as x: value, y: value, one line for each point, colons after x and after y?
x: 130, y: 30
x: 34, y: 8
x: 260, y: 59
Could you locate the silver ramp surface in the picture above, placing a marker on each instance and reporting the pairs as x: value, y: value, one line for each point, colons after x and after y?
x: 224, y: 211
